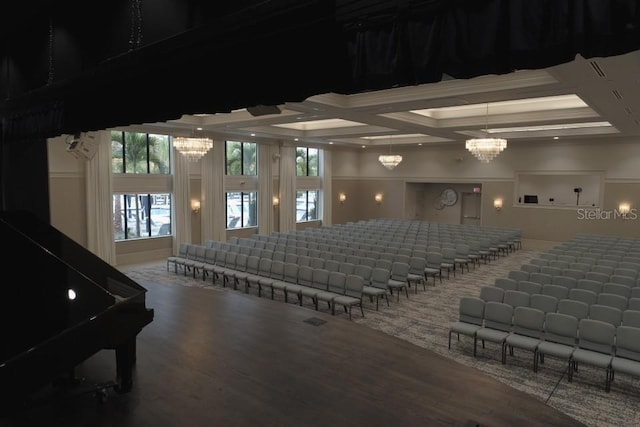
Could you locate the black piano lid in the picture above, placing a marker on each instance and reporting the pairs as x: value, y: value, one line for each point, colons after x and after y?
x: 64, y: 305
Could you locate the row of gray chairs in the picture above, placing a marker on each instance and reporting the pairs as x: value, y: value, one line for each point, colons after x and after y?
x: 606, y: 308
x: 587, y: 341
x: 561, y: 288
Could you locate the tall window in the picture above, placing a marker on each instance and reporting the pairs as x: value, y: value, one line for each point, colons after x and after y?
x: 242, y: 209
x: 307, y: 205
x: 143, y: 212
x: 140, y: 153
x: 138, y: 216
x: 241, y: 158
x: 307, y: 161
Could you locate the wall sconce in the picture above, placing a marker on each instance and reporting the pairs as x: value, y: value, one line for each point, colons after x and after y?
x: 342, y: 197
x: 624, y: 209
x: 497, y: 204
x: 195, y: 206
x: 378, y: 198
x: 275, y: 200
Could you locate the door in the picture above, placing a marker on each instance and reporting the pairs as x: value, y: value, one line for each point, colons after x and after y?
x: 470, y: 209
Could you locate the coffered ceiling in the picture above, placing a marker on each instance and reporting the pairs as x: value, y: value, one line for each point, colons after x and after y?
x: 580, y: 100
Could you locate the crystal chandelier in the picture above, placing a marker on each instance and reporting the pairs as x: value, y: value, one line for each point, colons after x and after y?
x: 390, y: 161
x: 486, y: 149
x: 193, y: 148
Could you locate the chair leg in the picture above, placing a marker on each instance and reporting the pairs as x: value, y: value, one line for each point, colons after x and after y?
x: 361, y: 309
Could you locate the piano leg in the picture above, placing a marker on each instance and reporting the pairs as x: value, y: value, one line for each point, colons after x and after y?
x: 125, y: 359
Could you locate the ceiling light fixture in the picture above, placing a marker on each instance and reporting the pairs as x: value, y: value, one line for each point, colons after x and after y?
x: 193, y: 147
x: 390, y: 161
x: 486, y: 149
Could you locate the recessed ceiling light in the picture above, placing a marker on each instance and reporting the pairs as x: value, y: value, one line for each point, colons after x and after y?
x: 320, y: 124
x: 253, y: 134
x: 420, y: 143
x: 198, y: 128
x: 330, y: 142
x: 550, y: 127
x: 556, y: 137
x: 364, y: 146
x: 295, y: 139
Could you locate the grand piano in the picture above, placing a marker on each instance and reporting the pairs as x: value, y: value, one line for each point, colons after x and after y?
x: 59, y: 305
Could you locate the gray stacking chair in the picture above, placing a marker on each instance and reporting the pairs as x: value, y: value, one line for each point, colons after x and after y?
x: 506, y: 283
x: 582, y: 266
x: 560, y: 292
x: 622, y: 280
x: 179, y: 258
x: 349, y: 268
x: 544, y: 303
x: 616, y: 288
x: 331, y: 265
x: 590, y: 285
x: 577, y: 309
x: 602, y: 269
x: 498, y: 320
x: 542, y: 278
x: 352, y: 295
x: 335, y: 287
x: 626, y: 358
x: 633, y: 303
x: 305, y: 279
x: 378, y: 285
x: 491, y: 293
x: 470, y: 318
x: 584, y: 295
x: 562, y: 265
x: 276, y: 274
x: 606, y: 313
x: 398, y: 278
x: 448, y: 261
x: 595, y: 347
x: 530, y: 268
x: 566, y: 281
x: 560, y: 337
x: 364, y: 271
x: 528, y: 326
x: 597, y: 276
x: 613, y: 300
x: 462, y: 256
x: 264, y: 270
x: 629, y: 272
x: 551, y: 271
x: 239, y: 274
x: 516, y: 298
x: 631, y: 318
x: 416, y: 274
x: 196, y: 262
x: 319, y: 283
x: 518, y: 275
x: 571, y: 272
x: 433, y: 266
x: 290, y: 284
x: 529, y: 287
x: 540, y: 262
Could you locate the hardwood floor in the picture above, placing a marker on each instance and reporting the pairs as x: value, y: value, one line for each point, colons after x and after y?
x: 229, y: 359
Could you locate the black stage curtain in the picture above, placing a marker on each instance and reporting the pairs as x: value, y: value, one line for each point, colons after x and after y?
x: 267, y: 54
x: 410, y: 45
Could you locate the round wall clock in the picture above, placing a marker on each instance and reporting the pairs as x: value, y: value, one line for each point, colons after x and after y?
x: 449, y: 196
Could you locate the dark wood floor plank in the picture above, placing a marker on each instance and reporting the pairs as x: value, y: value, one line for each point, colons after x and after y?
x: 224, y: 358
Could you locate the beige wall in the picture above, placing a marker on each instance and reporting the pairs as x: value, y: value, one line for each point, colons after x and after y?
x: 408, y: 189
